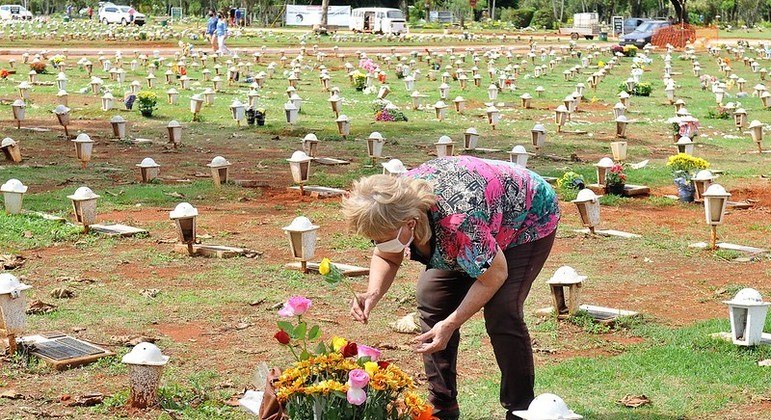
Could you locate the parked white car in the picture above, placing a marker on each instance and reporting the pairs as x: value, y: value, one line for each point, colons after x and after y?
x: 14, y: 12
x: 111, y: 13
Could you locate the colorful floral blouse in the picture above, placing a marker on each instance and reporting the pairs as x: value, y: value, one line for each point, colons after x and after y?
x: 482, y: 205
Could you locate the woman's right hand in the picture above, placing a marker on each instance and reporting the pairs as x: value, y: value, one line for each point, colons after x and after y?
x: 362, y: 305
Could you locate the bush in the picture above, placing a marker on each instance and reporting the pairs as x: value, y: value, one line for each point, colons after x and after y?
x: 544, y: 19
x: 640, y: 89
x: 630, y: 50
x: 148, y: 101
x: 40, y: 67
x: 520, y: 18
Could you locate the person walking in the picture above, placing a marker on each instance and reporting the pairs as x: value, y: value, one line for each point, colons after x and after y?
x: 484, y: 230
x: 211, y: 30
x: 222, y: 33
x: 131, y: 13
x: 90, y: 13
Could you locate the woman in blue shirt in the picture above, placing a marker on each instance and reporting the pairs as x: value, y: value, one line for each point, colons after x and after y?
x: 222, y: 33
x: 211, y: 29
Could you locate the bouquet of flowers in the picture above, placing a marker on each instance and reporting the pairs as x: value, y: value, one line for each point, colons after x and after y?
x: 39, y: 67
x: 359, y: 80
x: 57, y: 60
x: 339, y: 379
x: 148, y: 101
x: 385, y: 111
x: 4, y: 74
x: 367, y: 65
x: 685, y: 166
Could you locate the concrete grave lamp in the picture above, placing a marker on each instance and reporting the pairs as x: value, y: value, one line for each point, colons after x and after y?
x: 343, y: 125
x: 747, y: 313
x: 300, y: 168
x: 493, y: 116
x: 715, y: 201
x: 185, y: 218
x: 685, y: 145
x: 588, y: 205
x: 701, y: 182
x: 19, y: 111
x: 145, y: 362
x: 61, y: 81
x: 602, y: 167
x: 538, y: 136
x: 618, y: 148
x: 302, y: 240
x: 13, y: 193
x: 310, y: 144
x: 619, y: 110
x: 63, y: 116
x: 492, y: 92
x: 219, y: 167
x: 174, y: 130
x: 335, y: 101
x: 440, y: 108
x: 756, y: 131
x: 519, y: 155
x: 560, y: 117
x: 565, y: 304
x: 148, y: 169
x: 525, y: 100
x: 622, y: 122
x: 291, y: 112
x: 11, y: 150
x: 444, y: 147
x: 84, y: 148
x: 84, y: 206
x: 237, y: 111
x: 460, y: 104
x: 547, y: 407
x: 740, y: 118
x: 62, y: 98
x: 13, y: 308
x: 118, y: 124
x: 108, y: 101
x: 375, y: 143
x: 394, y: 167
x: 470, y: 139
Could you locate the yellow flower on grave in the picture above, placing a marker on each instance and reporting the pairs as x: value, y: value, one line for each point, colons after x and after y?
x: 338, y: 343
x: 371, y: 368
x: 325, y: 267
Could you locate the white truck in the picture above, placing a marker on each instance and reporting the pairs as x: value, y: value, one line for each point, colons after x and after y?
x: 585, y: 25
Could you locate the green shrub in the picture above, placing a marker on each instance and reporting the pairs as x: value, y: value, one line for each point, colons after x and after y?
x: 520, y: 18
x: 543, y: 18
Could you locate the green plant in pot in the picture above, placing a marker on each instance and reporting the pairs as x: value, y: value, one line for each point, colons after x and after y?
x: 615, y: 180
x: 684, y: 167
x: 148, y: 101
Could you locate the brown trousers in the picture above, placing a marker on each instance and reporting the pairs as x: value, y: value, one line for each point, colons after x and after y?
x: 440, y: 292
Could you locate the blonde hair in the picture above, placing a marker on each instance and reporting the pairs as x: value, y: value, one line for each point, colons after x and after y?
x: 381, y: 203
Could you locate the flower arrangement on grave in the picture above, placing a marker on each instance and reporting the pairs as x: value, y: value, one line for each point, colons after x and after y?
x: 148, y: 101
x: 600, y: 64
x: 4, y: 73
x: 385, y: 111
x: 359, y: 80
x: 367, y: 65
x: 337, y: 378
x: 706, y: 80
x: 57, y: 60
x: 684, y: 167
x: 617, y: 49
x: 615, y: 179
x: 719, y: 113
x: 630, y: 50
x: 40, y: 67
x: 640, y: 89
x: 571, y: 180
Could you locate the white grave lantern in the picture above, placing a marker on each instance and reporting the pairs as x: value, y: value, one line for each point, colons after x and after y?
x: 685, y: 145
x: 173, y: 96
x: 470, y: 139
x: 756, y: 131
x: 539, y: 91
x: 623, y: 97
x: 526, y: 98
x: 196, y: 104
x: 588, y: 205
x: 747, y: 313
x: 13, y: 308
x: 148, y: 169
x: 602, y: 168
x: 219, y: 167
x: 174, y: 129
x: 302, y: 240
x: 701, y: 182
x: 440, y: 108
x: 300, y: 168
x: 238, y: 111
x: 217, y: 83
x: 343, y: 125
x: 538, y: 135
x: 444, y: 147
x: 670, y: 91
x: 290, y: 110
x: 560, y: 116
x: 297, y: 101
x: 63, y: 116
x: 715, y: 201
x: 492, y: 92
x: 394, y: 167
x: 107, y: 101
x: 547, y: 407
x: 444, y: 91
x: 719, y: 94
x: 84, y: 147
x: 618, y: 148
x: 618, y: 110
x: 13, y: 193
x: 519, y: 155
x: 32, y: 76
x: 61, y: 81
x: 565, y: 276
x: 493, y: 116
x: 208, y: 96
x: 19, y: 111
x: 184, y: 216
x: 11, y: 150
x: 334, y: 101
x: 96, y: 85
x: 84, y: 206
x: 740, y: 118
x: 310, y: 145
x: 409, y: 83
x: 375, y: 143
x: 146, y: 364
x: 621, y: 124
x: 383, y: 92
x: 63, y: 97
x: 460, y: 104
x: 417, y: 100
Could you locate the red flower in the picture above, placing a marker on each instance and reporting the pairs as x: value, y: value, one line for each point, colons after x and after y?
x: 282, y: 337
x: 382, y: 365
x: 350, y: 350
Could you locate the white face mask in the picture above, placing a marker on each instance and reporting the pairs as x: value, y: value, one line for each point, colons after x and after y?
x: 394, y: 246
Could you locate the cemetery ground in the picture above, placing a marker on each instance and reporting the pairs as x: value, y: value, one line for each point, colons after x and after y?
x: 216, y: 317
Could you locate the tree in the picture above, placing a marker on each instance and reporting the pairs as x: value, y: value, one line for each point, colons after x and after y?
x: 324, y: 15
x: 680, y: 12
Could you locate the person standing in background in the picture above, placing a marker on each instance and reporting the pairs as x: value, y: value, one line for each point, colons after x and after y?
x: 90, y: 13
x: 211, y: 30
x: 222, y: 33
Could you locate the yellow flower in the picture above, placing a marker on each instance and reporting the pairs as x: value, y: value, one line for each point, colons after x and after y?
x: 371, y: 368
x: 338, y: 342
x: 324, y: 267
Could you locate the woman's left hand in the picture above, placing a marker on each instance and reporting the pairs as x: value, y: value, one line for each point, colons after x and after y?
x: 436, y: 339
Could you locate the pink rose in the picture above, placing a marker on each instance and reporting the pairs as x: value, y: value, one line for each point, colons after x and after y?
x: 367, y: 351
x: 356, y: 396
x: 295, y: 306
x: 358, y: 378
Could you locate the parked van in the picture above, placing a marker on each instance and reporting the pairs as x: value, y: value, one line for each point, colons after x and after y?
x: 14, y: 12
x: 379, y: 20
